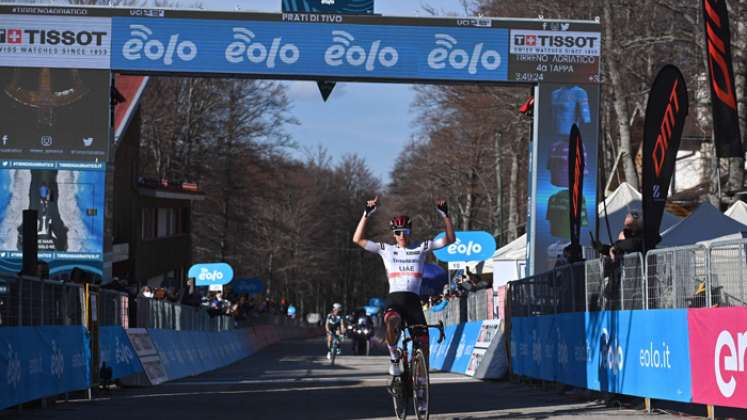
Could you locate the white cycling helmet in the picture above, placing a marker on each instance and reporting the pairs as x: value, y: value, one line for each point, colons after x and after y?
x: 337, y: 306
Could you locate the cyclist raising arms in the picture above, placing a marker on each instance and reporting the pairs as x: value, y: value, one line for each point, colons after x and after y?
x: 404, y: 267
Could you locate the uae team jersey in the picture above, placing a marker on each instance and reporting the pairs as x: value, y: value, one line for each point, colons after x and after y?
x: 404, y: 266
x: 569, y: 105
x: 557, y: 164
x: 558, y: 214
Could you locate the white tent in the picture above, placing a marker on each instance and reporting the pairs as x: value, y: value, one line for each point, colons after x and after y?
x: 738, y: 212
x: 513, y: 251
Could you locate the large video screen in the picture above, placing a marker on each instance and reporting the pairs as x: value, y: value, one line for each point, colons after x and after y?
x: 54, y: 114
x: 70, y: 212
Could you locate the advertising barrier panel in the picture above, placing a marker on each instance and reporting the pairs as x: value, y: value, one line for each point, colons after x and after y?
x: 642, y: 353
x: 626, y: 352
x: 116, y: 351
x: 717, y: 344
x: 148, y: 355
x: 36, y: 362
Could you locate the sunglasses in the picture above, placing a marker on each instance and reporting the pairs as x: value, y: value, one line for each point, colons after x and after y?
x: 400, y: 232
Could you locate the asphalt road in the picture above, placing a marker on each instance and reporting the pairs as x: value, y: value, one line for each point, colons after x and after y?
x: 293, y: 380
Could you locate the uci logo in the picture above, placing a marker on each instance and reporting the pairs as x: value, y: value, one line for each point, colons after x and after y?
x: 343, y: 51
x: 140, y: 44
x: 460, y: 59
x: 244, y: 46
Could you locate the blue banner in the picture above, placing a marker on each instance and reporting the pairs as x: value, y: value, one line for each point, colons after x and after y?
x: 116, y: 351
x: 248, y: 285
x: 210, y: 274
x: 188, y: 353
x: 312, y: 49
x: 37, y: 362
x: 642, y: 353
x: 467, y: 339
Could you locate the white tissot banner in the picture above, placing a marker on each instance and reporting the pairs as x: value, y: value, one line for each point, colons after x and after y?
x: 55, y: 41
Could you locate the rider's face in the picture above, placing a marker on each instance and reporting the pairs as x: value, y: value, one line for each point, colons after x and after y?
x: 402, y: 236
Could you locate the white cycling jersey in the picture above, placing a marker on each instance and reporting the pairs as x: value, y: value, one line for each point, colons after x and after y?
x: 404, y: 266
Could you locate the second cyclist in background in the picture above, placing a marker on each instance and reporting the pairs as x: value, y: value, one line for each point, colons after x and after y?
x: 334, y: 326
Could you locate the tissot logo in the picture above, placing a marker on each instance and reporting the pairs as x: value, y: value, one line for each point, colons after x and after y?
x: 51, y: 37
x: 552, y: 42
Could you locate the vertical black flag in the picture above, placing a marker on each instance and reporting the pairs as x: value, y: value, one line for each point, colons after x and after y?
x: 576, y: 165
x: 665, y: 117
x: 723, y: 97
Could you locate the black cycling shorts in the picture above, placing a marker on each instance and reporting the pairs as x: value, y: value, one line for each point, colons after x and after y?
x: 408, y: 306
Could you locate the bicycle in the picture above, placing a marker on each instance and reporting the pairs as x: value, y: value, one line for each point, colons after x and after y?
x: 414, y: 381
x: 334, y: 349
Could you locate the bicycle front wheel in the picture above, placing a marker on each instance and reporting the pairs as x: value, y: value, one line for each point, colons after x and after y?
x: 420, y: 385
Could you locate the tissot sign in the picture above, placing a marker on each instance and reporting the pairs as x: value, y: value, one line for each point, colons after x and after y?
x: 51, y: 41
x: 301, y: 45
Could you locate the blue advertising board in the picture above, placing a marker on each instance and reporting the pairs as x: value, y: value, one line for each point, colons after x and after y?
x: 467, y: 339
x: 316, y: 49
x: 69, y: 200
x: 469, y: 246
x: 641, y: 353
x: 37, y: 362
x: 116, y: 351
x: 211, y: 274
x: 248, y: 286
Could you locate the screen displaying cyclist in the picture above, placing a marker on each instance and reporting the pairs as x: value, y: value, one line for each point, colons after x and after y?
x: 333, y: 325
x: 404, y: 267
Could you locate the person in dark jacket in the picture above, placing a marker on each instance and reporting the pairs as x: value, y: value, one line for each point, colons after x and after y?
x: 630, y: 239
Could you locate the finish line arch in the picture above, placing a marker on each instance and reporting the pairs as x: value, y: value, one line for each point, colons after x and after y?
x: 560, y: 58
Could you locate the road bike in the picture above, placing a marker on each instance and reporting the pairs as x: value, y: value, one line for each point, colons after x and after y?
x: 414, y: 382
x: 334, y: 349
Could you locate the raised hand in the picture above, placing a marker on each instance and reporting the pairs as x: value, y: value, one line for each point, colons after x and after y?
x: 442, y: 208
x: 371, y: 206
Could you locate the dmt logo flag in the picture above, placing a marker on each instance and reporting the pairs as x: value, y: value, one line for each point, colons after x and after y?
x: 665, y: 118
x: 576, y: 165
x: 718, y: 341
x: 721, y: 72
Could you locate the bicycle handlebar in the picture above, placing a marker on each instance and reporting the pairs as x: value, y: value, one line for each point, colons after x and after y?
x: 439, y: 327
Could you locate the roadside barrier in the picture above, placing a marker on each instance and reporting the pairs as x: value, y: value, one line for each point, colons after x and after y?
x: 36, y: 362
x: 474, y: 348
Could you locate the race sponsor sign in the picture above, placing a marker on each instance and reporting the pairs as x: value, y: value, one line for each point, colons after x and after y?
x: 554, y: 55
x: 55, y: 41
x: 717, y: 345
x: 331, y: 50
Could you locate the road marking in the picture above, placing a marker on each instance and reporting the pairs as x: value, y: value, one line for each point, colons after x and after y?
x: 435, y: 380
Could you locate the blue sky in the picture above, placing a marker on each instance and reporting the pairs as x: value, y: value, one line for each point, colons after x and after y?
x: 372, y: 120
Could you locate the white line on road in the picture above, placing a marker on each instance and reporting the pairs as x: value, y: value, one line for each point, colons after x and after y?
x: 316, y: 380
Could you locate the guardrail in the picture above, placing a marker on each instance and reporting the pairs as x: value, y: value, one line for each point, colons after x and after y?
x: 683, y: 277
x: 152, y: 313
x: 29, y: 301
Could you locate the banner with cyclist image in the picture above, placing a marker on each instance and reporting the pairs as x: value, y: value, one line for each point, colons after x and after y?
x: 560, y: 107
x: 70, y: 214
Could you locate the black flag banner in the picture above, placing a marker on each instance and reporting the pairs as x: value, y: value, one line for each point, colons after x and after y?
x: 576, y: 165
x: 723, y: 98
x: 665, y: 118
